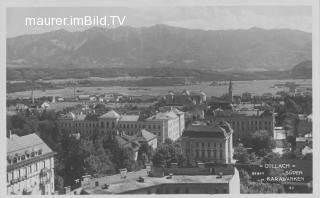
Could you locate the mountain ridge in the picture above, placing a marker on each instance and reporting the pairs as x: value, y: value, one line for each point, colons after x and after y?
x: 161, y: 46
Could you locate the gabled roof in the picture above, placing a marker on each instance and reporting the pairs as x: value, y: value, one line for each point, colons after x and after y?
x: 145, y: 135
x: 110, y: 114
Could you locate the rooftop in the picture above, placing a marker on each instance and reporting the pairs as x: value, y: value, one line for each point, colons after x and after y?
x: 17, y: 146
x: 210, y: 131
x: 163, y: 116
x: 145, y: 135
x: 110, y: 114
x: 129, y: 118
x: 118, y: 185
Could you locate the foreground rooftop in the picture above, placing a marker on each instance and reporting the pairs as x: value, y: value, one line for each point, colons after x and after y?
x: 118, y: 185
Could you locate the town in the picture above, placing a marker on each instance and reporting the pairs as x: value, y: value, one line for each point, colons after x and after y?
x: 180, y: 143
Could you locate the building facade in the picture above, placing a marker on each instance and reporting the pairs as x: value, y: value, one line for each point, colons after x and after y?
x: 245, y: 123
x: 164, y: 125
x: 208, y: 143
x: 30, y: 166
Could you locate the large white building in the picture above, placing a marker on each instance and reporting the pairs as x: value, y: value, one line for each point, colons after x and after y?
x: 208, y: 143
x: 30, y: 166
x: 169, y: 124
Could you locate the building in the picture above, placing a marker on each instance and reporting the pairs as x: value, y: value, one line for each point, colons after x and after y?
x: 280, y: 138
x: 304, y: 124
x: 145, y: 137
x: 169, y: 124
x: 247, y: 122
x: 166, y: 125
x: 246, y: 97
x: 185, y: 97
x: 222, y: 179
x: 208, y: 143
x: 30, y: 166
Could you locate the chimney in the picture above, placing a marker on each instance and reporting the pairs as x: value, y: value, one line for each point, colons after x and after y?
x: 10, y: 134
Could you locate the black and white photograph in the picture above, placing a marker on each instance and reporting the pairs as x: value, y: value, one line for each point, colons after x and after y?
x: 160, y: 99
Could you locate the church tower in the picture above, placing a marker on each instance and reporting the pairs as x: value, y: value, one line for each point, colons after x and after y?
x: 230, y: 96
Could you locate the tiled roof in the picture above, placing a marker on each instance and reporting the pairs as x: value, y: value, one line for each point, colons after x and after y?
x: 126, y: 141
x: 128, y: 118
x: 27, y: 143
x: 110, y: 114
x: 203, y: 131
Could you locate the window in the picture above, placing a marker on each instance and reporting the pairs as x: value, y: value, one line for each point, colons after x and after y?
x: 23, y: 157
x: 186, y: 191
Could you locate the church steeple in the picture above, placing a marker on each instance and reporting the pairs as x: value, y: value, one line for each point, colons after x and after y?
x: 230, y: 96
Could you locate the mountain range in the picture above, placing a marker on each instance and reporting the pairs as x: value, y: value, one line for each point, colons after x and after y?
x: 162, y: 46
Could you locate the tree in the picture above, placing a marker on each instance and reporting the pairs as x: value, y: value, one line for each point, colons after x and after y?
x: 261, y: 142
x: 242, y: 156
x: 167, y: 153
x: 145, y: 152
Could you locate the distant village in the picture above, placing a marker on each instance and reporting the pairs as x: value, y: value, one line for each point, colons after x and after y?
x: 209, y: 131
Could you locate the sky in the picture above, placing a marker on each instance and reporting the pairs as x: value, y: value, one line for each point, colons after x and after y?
x: 195, y: 17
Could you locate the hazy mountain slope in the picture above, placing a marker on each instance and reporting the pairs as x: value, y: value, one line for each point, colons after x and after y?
x: 162, y: 46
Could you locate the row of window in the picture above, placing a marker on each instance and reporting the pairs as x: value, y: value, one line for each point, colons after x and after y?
x: 250, y: 128
x: 23, y: 172
x: 251, y: 122
x: 209, y: 154
x: 209, y: 144
x: 23, y: 157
